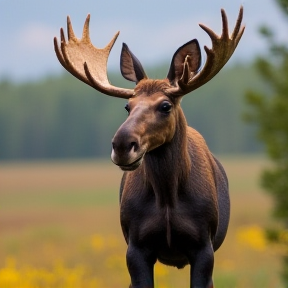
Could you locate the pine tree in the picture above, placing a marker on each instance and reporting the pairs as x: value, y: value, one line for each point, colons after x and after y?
x: 269, y: 112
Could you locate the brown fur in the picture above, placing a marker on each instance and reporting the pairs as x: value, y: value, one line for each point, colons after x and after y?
x: 170, y: 205
x: 151, y: 86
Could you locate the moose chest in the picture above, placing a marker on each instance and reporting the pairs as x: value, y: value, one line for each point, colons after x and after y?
x: 145, y: 220
x: 171, y: 233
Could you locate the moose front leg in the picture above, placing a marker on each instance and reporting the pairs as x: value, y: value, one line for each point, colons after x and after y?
x: 140, y: 263
x: 202, y: 267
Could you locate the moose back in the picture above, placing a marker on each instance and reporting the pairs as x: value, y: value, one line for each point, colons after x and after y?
x: 174, y: 193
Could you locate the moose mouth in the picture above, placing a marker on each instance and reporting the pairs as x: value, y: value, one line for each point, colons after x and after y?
x: 132, y: 166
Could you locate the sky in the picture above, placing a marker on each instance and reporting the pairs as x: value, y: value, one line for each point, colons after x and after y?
x: 153, y: 29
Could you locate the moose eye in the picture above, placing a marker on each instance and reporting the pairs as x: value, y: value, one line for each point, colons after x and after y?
x: 127, y: 108
x: 165, y: 107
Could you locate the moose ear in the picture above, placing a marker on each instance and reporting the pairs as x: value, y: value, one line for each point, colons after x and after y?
x: 188, y: 54
x: 131, y: 68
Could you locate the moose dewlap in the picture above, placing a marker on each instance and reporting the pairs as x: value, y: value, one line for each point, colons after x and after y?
x: 174, y: 193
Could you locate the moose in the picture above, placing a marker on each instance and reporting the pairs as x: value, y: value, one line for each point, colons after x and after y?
x: 174, y: 199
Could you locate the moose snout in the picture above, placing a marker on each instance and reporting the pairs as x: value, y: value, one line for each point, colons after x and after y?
x: 124, y: 147
x: 126, y: 150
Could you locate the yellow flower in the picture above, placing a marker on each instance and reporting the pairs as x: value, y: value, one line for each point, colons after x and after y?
x: 252, y: 236
x: 160, y: 270
x: 9, y: 276
x: 59, y: 276
x: 98, y: 242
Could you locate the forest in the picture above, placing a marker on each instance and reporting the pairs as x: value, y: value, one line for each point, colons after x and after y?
x: 60, y: 117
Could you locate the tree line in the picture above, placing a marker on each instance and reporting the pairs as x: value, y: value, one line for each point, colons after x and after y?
x: 60, y: 117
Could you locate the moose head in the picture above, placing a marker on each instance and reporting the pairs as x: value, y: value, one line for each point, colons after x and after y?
x: 152, y: 119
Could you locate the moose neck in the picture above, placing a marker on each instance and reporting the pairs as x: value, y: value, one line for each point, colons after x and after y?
x: 167, y: 166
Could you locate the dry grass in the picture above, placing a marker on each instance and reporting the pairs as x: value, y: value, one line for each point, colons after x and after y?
x: 68, y: 212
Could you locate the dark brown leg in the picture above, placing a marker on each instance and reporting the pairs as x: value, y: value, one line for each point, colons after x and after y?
x: 140, y: 265
x: 202, y: 267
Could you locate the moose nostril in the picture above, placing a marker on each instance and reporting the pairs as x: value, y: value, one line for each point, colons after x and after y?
x: 125, y: 147
x: 134, y: 145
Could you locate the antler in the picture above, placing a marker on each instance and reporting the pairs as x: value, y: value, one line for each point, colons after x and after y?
x: 86, y: 62
x: 222, y: 49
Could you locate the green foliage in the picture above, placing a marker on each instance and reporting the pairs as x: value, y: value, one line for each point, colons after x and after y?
x: 284, y: 5
x: 269, y: 111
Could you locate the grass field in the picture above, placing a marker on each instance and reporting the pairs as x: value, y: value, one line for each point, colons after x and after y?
x: 59, y: 227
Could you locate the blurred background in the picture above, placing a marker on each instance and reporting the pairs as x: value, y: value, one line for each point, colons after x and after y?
x: 59, y: 214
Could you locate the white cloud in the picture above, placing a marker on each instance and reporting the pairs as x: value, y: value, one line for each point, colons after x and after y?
x: 36, y: 36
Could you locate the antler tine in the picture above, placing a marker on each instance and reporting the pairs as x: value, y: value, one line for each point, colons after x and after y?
x: 86, y: 34
x: 238, y: 25
x: 58, y: 53
x: 222, y: 49
x: 225, y: 28
x: 70, y: 32
x: 77, y: 55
